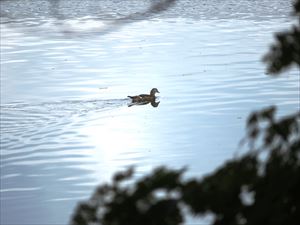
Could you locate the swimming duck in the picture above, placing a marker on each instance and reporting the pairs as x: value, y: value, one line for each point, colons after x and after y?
x: 144, y: 97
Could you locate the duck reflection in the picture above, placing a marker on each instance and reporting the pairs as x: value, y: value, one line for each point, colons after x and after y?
x: 144, y: 99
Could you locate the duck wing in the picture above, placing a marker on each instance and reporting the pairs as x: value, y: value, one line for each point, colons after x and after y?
x: 144, y: 96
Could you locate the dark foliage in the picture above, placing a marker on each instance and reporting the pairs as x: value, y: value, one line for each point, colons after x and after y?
x: 245, y: 190
x: 286, y: 51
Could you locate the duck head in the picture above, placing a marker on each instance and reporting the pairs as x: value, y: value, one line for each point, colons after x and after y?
x: 153, y: 91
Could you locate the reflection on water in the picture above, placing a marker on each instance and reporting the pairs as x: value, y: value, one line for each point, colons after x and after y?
x: 65, y: 120
x: 153, y: 102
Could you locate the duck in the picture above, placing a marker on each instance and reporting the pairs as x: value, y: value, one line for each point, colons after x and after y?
x: 144, y: 97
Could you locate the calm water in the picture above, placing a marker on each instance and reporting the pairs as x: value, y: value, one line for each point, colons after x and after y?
x: 68, y: 66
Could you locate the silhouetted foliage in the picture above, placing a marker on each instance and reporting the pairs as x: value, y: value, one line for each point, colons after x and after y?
x: 261, y: 187
x: 286, y: 51
x: 246, y: 190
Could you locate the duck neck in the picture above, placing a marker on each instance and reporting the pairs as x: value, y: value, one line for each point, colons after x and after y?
x: 152, y: 94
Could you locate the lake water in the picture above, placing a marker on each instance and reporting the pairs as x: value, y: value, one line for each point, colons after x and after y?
x: 68, y: 66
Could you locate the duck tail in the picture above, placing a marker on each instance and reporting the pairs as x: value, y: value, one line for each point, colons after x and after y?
x: 130, y: 97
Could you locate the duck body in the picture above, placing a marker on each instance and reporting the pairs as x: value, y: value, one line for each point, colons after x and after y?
x: 144, y: 99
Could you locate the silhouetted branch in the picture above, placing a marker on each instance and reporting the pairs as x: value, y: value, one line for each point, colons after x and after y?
x: 286, y: 51
x: 245, y: 190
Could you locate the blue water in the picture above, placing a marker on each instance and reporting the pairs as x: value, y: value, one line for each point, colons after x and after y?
x: 67, y: 69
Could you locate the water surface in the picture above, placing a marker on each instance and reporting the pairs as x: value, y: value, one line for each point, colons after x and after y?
x: 66, y: 71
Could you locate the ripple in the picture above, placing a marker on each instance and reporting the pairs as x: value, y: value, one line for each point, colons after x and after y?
x: 19, y: 189
x: 119, y: 10
x: 23, y: 123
